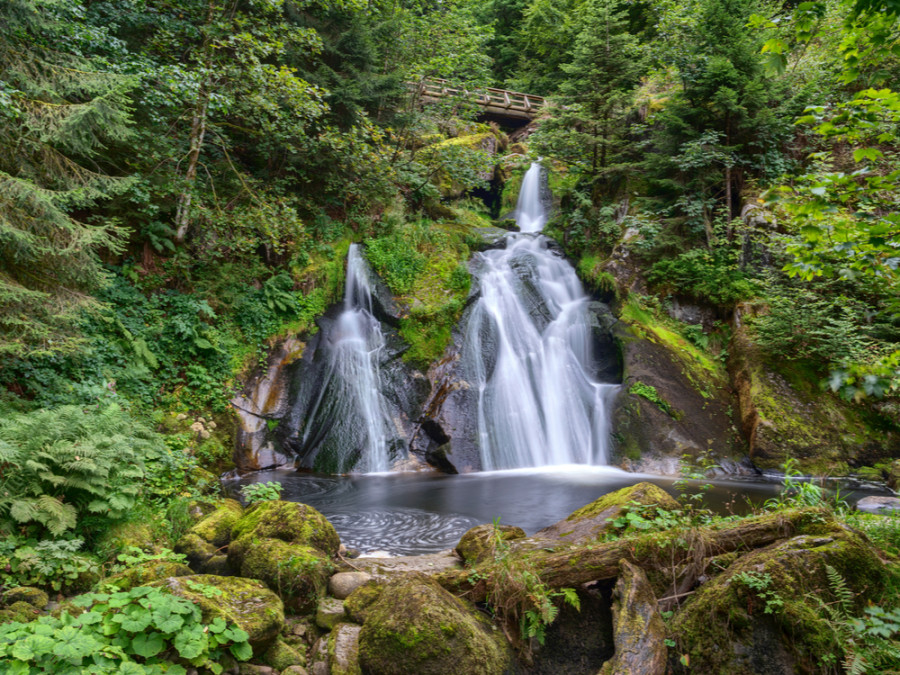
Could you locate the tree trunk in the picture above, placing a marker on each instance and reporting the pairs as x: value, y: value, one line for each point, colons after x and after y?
x: 198, y: 132
x: 571, y: 567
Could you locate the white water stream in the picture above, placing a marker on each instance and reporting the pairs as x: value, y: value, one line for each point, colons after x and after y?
x: 356, y: 344
x: 529, y: 343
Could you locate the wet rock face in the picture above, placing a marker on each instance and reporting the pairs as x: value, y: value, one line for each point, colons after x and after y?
x: 338, y: 440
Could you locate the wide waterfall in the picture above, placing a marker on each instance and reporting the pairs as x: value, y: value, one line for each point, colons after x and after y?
x: 529, y: 349
x: 350, y: 390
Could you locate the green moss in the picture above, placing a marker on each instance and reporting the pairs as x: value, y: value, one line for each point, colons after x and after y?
x: 21, y: 612
x: 33, y: 596
x: 642, y: 493
x: 148, y: 532
x: 480, y: 542
x: 289, y: 521
x: 418, y: 627
x: 649, y: 392
x: 591, y: 272
x: 281, y: 656
x: 146, y: 573
x: 357, y: 604
x: 216, y: 527
x: 297, y: 573
x: 244, y: 602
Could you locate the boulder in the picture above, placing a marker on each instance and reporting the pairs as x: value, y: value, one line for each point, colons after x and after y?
x: 146, y: 573
x: 329, y: 613
x: 874, y: 504
x: 480, y: 542
x: 20, y: 612
x: 337, y: 653
x: 281, y: 656
x: 209, y: 535
x: 762, y: 617
x: 290, y: 522
x: 357, y: 604
x: 33, y: 596
x: 244, y: 602
x: 342, y: 584
x: 297, y: 573
x: 589, y: 522
x: 418, y: 627
x: 148, y: 535
x: 638, y: 628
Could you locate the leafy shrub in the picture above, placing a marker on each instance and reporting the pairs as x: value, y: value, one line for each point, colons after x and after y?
x: 71, y: 468
x: 709, y: 276
x: 261, y: 492
x: 396, y: 260
x: 144, y: 630
x: 57, y: 565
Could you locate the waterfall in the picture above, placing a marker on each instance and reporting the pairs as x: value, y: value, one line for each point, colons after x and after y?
x: 528, y: 344
x: 350, y: 392
x: 531, y: 216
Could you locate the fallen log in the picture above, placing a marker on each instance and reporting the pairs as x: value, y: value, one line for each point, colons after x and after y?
x: 575, y: 565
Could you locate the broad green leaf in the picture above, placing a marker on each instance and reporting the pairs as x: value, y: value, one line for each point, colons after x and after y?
x: 148, y: 644
x: 242, y: 651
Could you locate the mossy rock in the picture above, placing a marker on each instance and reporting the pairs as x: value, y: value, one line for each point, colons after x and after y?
x: 480, y: 542
x: 418, y: 627
x: 146, y: 573
x: 33, y: 596
x: 357, y: 604
x: 21, y: 612
x: 281, y: 656
x: 204, y: 480
x: 244, y: 602
x: 589, y: 522
x: 289, y: 521
x: 197, y: 550
x: 147, y: 534
x: 298, y: 573
x: 730, y: 627
x: 216, y: 527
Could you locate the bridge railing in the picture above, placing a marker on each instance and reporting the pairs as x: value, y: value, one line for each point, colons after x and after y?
x: 494, y: 100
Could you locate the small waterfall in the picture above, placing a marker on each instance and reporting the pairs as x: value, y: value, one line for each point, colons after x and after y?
x: 529, y: 345
x: 351, y: 391
x: 531, y: 216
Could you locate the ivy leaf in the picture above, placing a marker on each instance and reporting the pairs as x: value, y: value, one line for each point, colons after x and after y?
x: 148, y: 645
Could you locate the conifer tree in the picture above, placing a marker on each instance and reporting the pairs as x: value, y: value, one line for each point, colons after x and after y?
x: 57, y: 112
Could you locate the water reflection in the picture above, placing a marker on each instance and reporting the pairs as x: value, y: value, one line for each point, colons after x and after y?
x: 414, y: 513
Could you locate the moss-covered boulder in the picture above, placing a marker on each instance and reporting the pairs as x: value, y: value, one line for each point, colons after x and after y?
x: 244, y: 602
x: 33, y: 596
x: 418, y: 627
x: 298, y: 573
x: 210, y: 534
x: 357, y: 604
x: 20, y: 611
x: 763, y: 615
x: 281, y: 656
x: 588, y: 523
x: 290, y: 522
x: 146, y: 573
x: 480, y: 542
x: 785, y: 414
x: 147, y: 533
x: 675, y: 398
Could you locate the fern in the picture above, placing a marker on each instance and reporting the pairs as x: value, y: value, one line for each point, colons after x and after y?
x: 62, y: 465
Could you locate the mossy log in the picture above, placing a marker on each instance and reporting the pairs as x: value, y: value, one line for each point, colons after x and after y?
x: 575, y: 565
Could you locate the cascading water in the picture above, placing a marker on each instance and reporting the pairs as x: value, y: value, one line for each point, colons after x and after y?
x: 531, y: 216
x: 351, y: 388
x: 529, y: 349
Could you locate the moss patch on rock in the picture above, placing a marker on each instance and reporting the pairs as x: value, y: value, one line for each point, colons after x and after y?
x: 282, y: 656
x: 357, y: 604
x: 33, y: 596
x: 216, y: 527
x: 480, y: 542
x: 146, y: 573
x: 244, y: 602
x: 418, y: 627
x: 290, y: 522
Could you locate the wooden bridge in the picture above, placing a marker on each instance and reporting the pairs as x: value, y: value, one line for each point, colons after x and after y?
x: 512, y: 105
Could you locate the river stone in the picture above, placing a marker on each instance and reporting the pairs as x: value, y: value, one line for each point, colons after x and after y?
x: 724, y: 628
x: 418, y: 627
x: 878, y: 505
x: 33, y: 596
x: 480, y: 542
x: 281, y: 656
x: 358, y: 603
x: 244, y: 602
x: 329, y: 613
x: 589, y: 522
x: 342, y: 584
x: 338, y: 652
x: 295, y: 670
x: 639, y: 631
